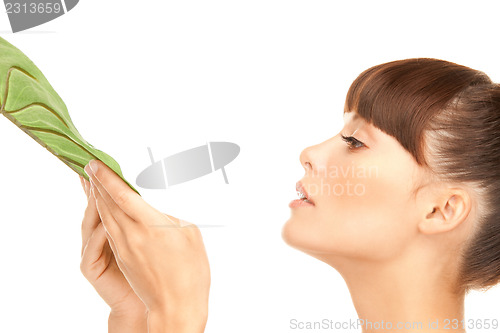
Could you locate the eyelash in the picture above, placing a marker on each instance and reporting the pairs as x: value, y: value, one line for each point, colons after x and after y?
x: 352, y: 142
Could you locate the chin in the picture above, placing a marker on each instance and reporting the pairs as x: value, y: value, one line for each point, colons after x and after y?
x: 297, y: 234
x: 290, y: 233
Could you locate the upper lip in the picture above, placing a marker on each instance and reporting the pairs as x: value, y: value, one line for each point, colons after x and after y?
x: 300, y: 190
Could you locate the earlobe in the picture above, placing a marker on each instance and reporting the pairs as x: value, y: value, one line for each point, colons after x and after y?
x: 448, y: 212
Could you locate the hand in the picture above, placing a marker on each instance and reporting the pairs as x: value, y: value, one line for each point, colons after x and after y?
x: 163, y: 258
x: 99, y: 266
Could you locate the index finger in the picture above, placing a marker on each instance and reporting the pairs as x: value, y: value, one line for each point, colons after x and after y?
x: 90, y: 222
x: 127, y: 199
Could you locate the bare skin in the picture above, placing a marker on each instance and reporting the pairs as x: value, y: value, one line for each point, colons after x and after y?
x: 162, y: 259
x: 387, y: 225
x: 395, y: 246
x: 128, y: 313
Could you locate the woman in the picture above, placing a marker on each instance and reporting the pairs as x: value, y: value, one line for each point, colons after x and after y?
x: 402, y: 202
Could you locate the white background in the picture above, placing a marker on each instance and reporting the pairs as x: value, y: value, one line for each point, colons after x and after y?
x: 268, y: 75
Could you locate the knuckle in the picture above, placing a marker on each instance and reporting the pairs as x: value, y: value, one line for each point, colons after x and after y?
x: 193, y: 232
x: 122, y: 198
x: 83, y: 268
x: 86, y: 212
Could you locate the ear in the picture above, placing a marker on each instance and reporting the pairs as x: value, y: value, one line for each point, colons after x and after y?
x: 445, y: 211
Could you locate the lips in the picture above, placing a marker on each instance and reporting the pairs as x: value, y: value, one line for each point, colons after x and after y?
x: 303, y: 195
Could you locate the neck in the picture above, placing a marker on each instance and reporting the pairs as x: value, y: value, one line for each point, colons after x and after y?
x: 410, y: 293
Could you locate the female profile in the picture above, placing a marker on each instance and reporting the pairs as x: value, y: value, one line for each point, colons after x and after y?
x: 403, y: 203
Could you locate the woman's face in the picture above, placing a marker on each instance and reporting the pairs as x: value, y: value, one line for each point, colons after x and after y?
x: 362, y: 192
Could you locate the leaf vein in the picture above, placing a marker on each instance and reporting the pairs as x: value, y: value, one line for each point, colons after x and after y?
x: 45, y: 106
x: 30, y: 128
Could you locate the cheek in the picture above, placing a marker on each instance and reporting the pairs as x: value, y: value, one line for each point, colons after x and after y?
x: 374, y: 224
x: 377, y: 221
x: 363, y: 215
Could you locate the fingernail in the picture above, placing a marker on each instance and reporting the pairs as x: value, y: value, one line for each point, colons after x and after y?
x: 93, y: 166
x: 87, y: 170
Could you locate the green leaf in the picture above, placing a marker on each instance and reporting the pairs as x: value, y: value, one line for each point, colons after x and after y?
x: 29, y: 101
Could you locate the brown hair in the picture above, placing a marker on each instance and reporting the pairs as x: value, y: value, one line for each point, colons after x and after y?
x: 452, y: 113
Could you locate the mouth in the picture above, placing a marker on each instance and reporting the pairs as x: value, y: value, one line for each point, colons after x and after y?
x: 302, y: 193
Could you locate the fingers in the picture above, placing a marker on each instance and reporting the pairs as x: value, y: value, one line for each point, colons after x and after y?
x: 87, y: 188
x: 112, y: 245
x: 112, y: 227
x: 111, y: 207
x: 82, y: 181
x: 94, y: 247
x: 123, y: 196
x: 90, y: 221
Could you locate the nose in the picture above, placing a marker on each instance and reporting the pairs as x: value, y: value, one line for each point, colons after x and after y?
x: 306, y: 159
x: 315, y: 159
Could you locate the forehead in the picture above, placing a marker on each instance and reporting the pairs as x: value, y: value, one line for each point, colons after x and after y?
x: 353, y: 118
x: 357, y: 123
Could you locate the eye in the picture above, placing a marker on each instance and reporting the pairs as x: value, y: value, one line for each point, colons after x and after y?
x: 352, y: 142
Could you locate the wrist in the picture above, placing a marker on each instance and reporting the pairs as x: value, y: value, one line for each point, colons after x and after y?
x: 178, y: 321
x: 131, y: 314
x: 130, y: 322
